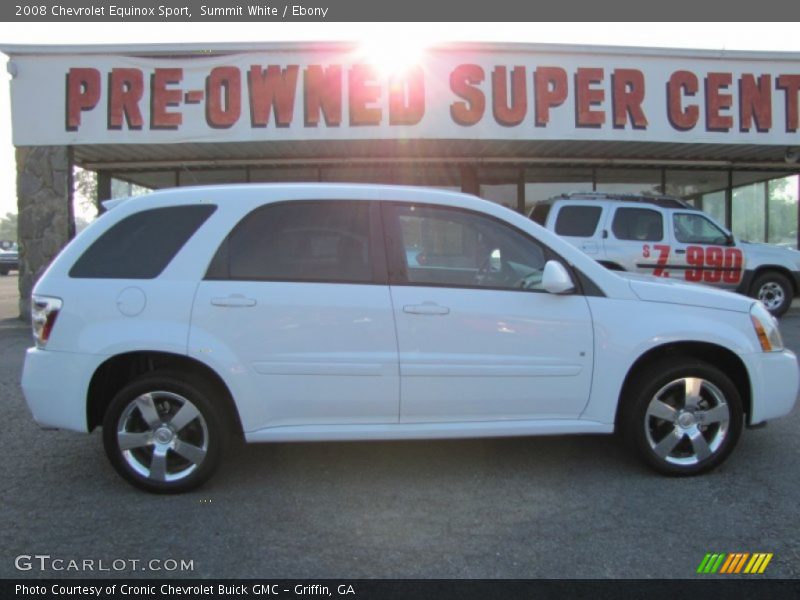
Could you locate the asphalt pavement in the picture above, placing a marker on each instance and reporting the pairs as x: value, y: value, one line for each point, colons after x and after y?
x: 574, y: 507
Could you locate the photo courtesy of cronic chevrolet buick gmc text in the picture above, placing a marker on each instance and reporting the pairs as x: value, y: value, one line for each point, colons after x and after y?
x: 667, y: 237
x: 363, y: 312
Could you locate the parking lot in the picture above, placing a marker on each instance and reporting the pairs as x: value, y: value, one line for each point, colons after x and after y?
x: 497, y: 508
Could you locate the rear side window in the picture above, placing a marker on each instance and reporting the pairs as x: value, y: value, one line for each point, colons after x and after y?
x: 299, y: 241
x: 578, y: 221
x: 141, y: 245
x: 639, y: 224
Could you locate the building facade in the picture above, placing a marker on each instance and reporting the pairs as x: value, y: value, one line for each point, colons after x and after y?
x: 512, y: 123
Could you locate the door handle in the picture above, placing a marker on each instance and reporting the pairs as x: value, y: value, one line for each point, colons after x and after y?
x: 235, y: 300
x: 426, y: 308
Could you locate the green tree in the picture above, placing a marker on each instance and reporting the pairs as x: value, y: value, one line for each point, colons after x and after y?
x: 8, y: 228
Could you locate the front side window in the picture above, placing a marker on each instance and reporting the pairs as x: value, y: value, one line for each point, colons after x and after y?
x: 322, y: 241
x: 451, y: 247
x: 141, y: 245
x: 578, y: 221
x: 697, y: 229
x: 638, y: 224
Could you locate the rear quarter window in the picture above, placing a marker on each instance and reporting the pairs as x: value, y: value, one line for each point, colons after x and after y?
x: 141, y: 245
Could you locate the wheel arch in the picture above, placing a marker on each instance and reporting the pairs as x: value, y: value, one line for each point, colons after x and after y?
x: 778, y: 269
x: 724, y: 359
x: 117, y: 371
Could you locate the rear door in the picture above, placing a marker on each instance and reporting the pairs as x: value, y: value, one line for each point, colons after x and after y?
x: 579, y: 224
x: 296, y: 311
x: 636, y: 240
x: 703, y: 252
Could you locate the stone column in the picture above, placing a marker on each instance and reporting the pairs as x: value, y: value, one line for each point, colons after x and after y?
x: 46, y: 220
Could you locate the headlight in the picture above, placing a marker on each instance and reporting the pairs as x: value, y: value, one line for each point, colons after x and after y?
x: 766, y: 326
x: 44, y: 311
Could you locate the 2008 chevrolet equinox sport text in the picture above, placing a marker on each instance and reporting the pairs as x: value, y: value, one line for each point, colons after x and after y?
x: 347, y: 312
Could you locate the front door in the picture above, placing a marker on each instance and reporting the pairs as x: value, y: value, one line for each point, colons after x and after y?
x: 704, y: 252
x: 478, y: 337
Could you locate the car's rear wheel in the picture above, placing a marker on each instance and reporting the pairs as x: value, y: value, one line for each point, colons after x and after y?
x: 774, y: 290
x: 163, y: 434
x: 682, y: 416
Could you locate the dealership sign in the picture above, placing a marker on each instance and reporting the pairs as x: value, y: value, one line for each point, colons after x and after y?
x: 109, y: 99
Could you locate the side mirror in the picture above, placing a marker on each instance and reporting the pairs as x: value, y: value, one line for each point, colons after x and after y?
x: 556, y: 278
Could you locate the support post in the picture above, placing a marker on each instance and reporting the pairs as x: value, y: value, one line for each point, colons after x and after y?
x: 46, y: 220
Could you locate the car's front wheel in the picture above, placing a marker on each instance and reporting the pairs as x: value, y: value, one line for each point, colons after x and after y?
x: 682, y: 416
x: 163, y: 434
x: 774, y: 290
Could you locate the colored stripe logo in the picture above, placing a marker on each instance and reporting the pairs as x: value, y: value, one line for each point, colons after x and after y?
x: 734, y: 563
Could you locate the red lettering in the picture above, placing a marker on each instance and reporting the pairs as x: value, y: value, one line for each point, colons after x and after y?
x: 682, y: 83
x: 125, y: 91
x: 223, y: 97
x: 322, y: 89
x: 716, y: 102
x: 790, y: 85
x: 272, y: 89
x: 463, y: 80
x: 363, y: 92
x: 505, y: 114
x: 83, y: 93
x: 755, y: 102
x: 551, y: 91
x: 162, y: 98
x: 586, y: 97
x: 407, y: 97
x: 628, y: 95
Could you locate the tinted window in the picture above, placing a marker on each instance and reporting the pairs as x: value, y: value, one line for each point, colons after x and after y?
x: 540, y: 212
x: 141, y: 245
x: 442, y: 246
x: 696, y: 229
x: 578, y: 221
x: 299, y: 241
x: 640, y: 224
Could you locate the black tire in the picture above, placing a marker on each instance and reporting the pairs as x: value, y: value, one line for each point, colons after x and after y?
x: 4, y: 271
x: 191, y: 449
x: 774, y: 290
x: 671, y: 431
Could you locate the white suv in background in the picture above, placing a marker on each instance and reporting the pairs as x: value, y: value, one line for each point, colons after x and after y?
x: 666, y: 237
x: 343, y: 312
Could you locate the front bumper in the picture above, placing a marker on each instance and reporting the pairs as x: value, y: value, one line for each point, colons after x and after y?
x: 55, y: 386
x: 775, y: 380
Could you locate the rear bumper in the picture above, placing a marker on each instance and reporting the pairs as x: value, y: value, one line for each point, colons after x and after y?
x: 55, y: 386
x: 775, y: 379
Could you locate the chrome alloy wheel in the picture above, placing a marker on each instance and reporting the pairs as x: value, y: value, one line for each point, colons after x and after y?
x: 162, y: 436
x: 771, y: 295
x: 687, y: 421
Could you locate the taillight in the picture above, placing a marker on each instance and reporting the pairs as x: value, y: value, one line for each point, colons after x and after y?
x: 44, y: 311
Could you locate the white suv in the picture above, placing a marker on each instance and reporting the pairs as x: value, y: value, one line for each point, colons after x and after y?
x: 343, y: 312
x: 666, y: 237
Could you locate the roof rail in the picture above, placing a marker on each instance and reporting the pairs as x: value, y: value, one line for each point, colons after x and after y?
x: 656, y: 199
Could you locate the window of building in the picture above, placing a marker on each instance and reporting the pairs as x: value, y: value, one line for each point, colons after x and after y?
x: 782, y: 211
x: 639, y: 224
x: 749, y: 217
x: 629, y: 181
